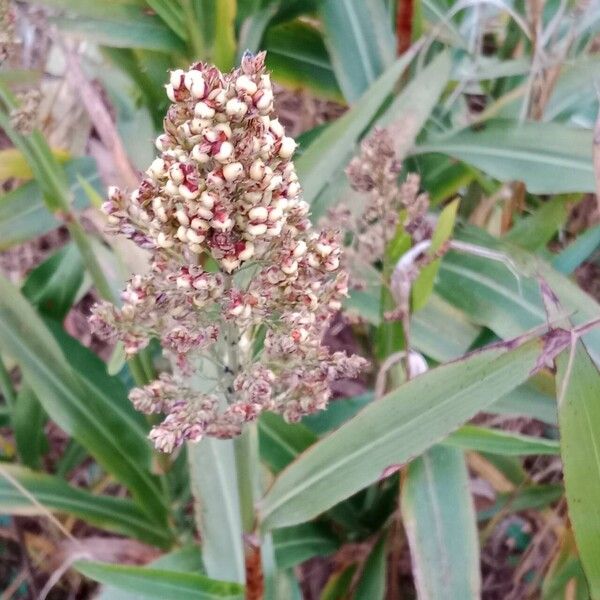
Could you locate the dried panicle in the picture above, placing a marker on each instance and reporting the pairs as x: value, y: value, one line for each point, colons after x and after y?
x: 7, y: 30
x: 24, y: 118
x: 374, y: 172
x: 234, y: 260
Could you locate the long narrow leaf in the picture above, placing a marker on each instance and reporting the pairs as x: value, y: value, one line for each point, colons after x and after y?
x: 360, y: 42
x: 549, y: 158
x: 392, y: 431
x: 329, y: 152
x: 578, y: 385
x: 52, y: 493
x: 159, y: 583
x: 439, y: 518
x: 73, y: 403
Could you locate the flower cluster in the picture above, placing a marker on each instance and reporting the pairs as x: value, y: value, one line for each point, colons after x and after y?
x: 374, y: 172
x: 241, y: 287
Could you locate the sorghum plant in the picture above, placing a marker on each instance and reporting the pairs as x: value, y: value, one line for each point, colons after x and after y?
x: 240, y: 288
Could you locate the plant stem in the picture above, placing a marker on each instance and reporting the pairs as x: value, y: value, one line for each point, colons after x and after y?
x: 246, y: 461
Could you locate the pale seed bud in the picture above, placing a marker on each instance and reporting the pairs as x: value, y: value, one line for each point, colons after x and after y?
x: 255, y: 230
x: 257, y: 170
x: 323, y: 249
x: 293, y: 190
x: 252, y: 197
x: 207, y: 200
x: 175, y: 78
x: 204, y: 111
x: 300, y: 249
x: 244, y: 84
x: 170, y: 93
x: 232, y: 171
x: 188, y: 194
x: 288, y: 146
x: 199, y: 156
x: 229, y: 264
x: 236, y: 108
x: 200, y: 224
x: 171, y: 188
x: 194, y: 81
x: 162, y: 240
x: 289, y: 267
x: 222, y: 224
x: 248, y: 252
x: 258, y: 213
x: 204, y: 213
x: 194, y: 237
x: 225, y: 152
x: 277, y: 128
x: 265, y: 101
x: 176, y: 174
x: 275, y: 214
x: 182, y: 217
x: 157, y: 168
x: 223, y: 128
x: 181, y: 233
x: 184, y: 283
x: 275, y: 182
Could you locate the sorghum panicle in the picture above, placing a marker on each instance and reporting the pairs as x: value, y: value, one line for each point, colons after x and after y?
x: 374, y: 173
x: 234, y: 261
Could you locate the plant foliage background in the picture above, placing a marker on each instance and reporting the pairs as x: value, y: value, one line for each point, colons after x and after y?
x: 478, y: 478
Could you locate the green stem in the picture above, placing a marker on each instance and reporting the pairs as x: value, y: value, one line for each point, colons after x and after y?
x: 246, y: 462
x: 6, y: 387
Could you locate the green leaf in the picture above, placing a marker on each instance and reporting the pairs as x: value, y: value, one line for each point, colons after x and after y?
x: 404, y: 117
x: 360, y: 42
x: 533, y: 497
x: 294, y: 545
x: 527, y: 401
x: 28, y: 423
x: 53, y: 286
x: 439, y: 519
x: 423, y: 286
x: 391, y: 431
x: 171, y: 14
x: 90, y: 8
x: 281, y: 442
x: 56, y: 495
x: 497, y: 441
x: 338, y: 585
x: 535, y: 231
x: 297, y: 57
x: 550, y: 158
x: 372, y: 580
x: 127, y: 29
x: 182, y: 560
x: 578, y: 390
x: 442, y: 332
x: 23, y: 212
x: 499, y: 301
x: 441, y: 176
x: 74, y: 403
x: 336, y: 414
x: 225, y: 42
x: 217, y: 507
x: 409, y: 110
x: 577, y: 251
x: 329, y: 152
x: 159, y: 583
